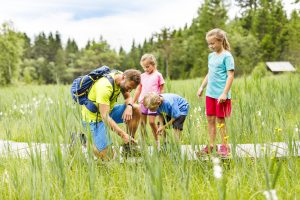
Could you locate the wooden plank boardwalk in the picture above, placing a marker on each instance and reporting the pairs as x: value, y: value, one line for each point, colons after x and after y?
x: 275, y: 149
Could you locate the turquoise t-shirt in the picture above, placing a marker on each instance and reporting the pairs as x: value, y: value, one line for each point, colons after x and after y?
x: 218, y: 65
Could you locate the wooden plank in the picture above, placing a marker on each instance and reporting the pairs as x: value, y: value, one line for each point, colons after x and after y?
x: 275, y: 149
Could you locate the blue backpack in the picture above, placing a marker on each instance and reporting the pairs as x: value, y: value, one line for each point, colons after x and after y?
x: 81, y: 86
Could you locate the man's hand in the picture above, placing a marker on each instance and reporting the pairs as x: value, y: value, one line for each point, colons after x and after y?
x: 127, y: 114
x: 126, y: 138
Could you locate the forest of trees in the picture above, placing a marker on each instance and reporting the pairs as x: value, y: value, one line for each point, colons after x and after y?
x: 262, y: 33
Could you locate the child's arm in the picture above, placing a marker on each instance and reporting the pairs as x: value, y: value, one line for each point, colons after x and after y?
x: 161, y: 129
x: 203, y: 85
x: 137, y: 93
x: 229, y: 81
x: 161, y: 88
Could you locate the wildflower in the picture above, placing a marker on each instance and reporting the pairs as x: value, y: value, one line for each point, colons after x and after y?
x: 278, y: 130
x: 199, y: 109
x: 215, y: 160
x: 50, y: 101
x: 217, y: 175
x: 5, y: 177
x: 1, y: 113
x: 217, y: 168
x: 270, y: 195
x: 22, y: 112
x: 296, y: 129
x: 195, y: 110
x: 220, y: 125
x: 259, y: 113
x: 217, y: 171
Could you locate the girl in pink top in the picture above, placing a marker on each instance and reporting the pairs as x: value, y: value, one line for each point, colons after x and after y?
x: 151, y: 81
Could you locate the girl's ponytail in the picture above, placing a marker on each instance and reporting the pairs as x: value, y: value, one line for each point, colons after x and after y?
x: 220, y: 35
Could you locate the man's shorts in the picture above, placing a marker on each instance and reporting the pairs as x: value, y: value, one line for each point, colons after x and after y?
x: 178, y: 123
x: 220, y: 110
x: 101, y: 136
x: 146, y: 111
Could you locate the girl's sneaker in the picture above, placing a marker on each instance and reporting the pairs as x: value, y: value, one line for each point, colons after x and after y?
x: 207, y: 150
x: 224, y: 150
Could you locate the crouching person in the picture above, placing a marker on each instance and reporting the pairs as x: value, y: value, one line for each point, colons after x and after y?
x: 104, y: 94
x: 173, y: 107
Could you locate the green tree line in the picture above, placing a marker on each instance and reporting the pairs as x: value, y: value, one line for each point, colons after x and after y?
x: 262, y: 32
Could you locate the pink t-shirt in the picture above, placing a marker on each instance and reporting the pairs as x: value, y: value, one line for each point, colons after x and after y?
x: 151, y: 83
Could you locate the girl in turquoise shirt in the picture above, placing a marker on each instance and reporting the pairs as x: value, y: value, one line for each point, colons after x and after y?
x: 218, y: 81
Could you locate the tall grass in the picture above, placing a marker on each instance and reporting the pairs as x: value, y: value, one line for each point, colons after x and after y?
x: 264, y: 110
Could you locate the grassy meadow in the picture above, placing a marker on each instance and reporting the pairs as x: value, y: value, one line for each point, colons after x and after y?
x: 263, y: 110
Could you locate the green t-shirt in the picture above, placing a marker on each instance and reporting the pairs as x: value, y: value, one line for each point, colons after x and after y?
x: 100, y: 93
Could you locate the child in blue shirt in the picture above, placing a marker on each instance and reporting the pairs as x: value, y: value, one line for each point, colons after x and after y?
x: 173, y: 106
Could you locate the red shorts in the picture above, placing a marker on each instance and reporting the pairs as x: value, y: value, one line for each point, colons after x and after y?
x: 221, y: 110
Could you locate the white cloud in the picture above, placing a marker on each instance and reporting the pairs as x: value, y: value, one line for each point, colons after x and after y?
x: 119, y: 22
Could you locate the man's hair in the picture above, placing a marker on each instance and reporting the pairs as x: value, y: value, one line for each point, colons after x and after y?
x: 151, y: 100
x: 133, y: 75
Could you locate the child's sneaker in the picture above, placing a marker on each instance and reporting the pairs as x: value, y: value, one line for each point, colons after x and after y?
x: 207, y: 150
x: 224, y: 150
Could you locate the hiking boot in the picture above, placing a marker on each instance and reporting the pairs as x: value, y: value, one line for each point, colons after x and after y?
x: 224, y: 150
x: 206, y: 150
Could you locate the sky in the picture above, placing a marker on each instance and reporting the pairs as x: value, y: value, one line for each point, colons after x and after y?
x: 118, y: 21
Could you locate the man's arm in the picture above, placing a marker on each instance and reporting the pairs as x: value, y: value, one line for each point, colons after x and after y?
x: 127, y: 115
x: 104, y: 111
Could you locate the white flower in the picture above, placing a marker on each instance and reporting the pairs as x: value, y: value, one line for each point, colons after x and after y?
x: 215, y: 160
x: 270, y: 195
x: 259, y: 113
x: 50, y: 101
x: 1, y: 113
x: 195, y: 110
x: 199, y: 109
x: 296, y: 130
x: 22, y: 112
x: 5, y: 177
x: 218, y: 175
x: 217, y: 169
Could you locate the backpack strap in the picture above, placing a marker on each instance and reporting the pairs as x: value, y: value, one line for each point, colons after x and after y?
x: 112, y: 82
x: 90, y: 105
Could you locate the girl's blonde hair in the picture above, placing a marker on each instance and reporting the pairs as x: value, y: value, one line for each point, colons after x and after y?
x: 151, y: 100
x: 150, y: 58
x: 220, y: 35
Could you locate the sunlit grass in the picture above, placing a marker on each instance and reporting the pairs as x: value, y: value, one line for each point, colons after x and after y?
x: 263, y: 111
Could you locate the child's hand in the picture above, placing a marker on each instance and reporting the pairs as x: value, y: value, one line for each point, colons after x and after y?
x: 160, y: 130
x: 222, y: 98
x: 200, y: 91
